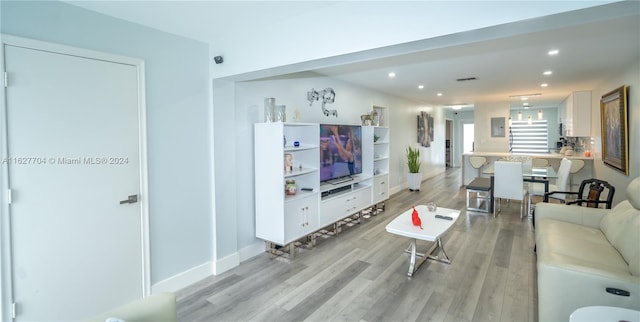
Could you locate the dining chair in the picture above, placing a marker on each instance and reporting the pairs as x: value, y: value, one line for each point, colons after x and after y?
x: 576, y: 166
x: 538, y: 189
x: 509, y: 184
x: 590, y: 194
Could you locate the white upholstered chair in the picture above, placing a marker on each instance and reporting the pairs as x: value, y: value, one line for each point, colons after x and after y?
x: 562, y: 182
x: 509, y: 184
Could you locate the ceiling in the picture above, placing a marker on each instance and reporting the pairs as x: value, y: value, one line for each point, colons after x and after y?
x: 502, y: 67
x: 506, y: 67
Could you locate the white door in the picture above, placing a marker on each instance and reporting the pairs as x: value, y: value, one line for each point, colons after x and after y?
x: 73, y: 143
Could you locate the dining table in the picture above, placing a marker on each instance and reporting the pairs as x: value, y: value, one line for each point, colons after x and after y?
x: 529, y: 174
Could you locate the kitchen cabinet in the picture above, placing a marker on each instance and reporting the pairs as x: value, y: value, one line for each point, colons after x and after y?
x: 575, y: 114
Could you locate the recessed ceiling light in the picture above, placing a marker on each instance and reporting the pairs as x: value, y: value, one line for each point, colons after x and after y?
x: 524, y: 98
x: 392, y: 74
x: 439, y: 94
x: 544, y: 85
x: 525, y: 104
x: 525, y: 95
x: 547, y: 73
x: 553, y: 52
x: 420, y: 86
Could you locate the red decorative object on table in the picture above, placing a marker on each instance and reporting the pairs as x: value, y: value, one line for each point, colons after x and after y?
x: 416, y: 218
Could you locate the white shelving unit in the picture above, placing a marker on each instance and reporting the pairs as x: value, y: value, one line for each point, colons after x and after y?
x: 282, y: 218
x: 380, y: 164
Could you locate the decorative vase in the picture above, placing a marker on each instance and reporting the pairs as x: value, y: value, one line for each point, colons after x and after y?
x: 414, y: 180
x: 280, y: 114
x: 290, y: 187
x: 269, y: 109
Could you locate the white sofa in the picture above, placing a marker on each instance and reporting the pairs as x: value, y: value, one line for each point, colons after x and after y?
x: 159, y: 307
x: 585, y: 255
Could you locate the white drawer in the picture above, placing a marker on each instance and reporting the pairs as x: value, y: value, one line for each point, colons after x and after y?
x: 339, y: 207
x: 380, y: 188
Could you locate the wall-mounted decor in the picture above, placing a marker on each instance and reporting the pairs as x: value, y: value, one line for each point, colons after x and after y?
x: 425, y: 129
x: 497, y: 127
x: 615, y: 134
x: 328, y: 96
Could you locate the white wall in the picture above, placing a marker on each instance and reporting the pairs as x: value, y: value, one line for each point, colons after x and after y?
x: 350, y: 101
x: 483, y: 112
x: 631, y: 77
x: 178, y: 120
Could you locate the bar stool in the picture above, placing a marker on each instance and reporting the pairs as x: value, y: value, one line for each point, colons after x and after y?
x: 540, y: 163
x: 478, y: 163
x: 576, y: 166
x: 481, y: 187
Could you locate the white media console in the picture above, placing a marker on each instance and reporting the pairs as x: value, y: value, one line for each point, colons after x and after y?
x: 282, y: 219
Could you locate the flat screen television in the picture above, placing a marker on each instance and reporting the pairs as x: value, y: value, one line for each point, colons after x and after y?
x: 340, y: 152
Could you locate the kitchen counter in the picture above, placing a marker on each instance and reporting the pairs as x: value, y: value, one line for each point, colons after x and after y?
x: 469, y: 173
x: 576, y: 155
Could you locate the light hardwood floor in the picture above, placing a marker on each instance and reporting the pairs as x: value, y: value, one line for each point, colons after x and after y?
x: 361, y: 274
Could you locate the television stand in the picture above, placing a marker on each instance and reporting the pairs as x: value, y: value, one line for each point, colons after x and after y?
x: 340, y: 180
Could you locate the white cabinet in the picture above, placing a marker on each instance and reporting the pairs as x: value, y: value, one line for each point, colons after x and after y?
x: 300, y: 218
x: 335, y: 207
x: 576, y: 109
x: 380, y: 188
x: 282, y: 218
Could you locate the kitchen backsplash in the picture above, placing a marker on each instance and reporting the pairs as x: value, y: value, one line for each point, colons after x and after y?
x: 578, y: 144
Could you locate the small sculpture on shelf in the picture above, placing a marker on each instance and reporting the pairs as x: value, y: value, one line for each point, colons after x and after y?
x: 288, y: 162
x: 369, y: 119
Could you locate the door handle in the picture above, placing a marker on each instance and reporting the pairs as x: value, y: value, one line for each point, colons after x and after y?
x: 130, y: 199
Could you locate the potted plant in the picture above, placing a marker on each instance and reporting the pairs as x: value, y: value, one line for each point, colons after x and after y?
x: 414, y: 177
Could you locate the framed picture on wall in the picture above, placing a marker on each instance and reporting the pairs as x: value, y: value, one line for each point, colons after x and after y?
x: 615, y: 132
x: 425, y: 129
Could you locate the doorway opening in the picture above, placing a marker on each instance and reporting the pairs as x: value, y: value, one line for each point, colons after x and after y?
x: 448, y: 144
x: 467, y: 137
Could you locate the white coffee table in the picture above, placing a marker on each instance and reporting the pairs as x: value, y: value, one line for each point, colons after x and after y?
x: 432, y: 229
x: 604, y: 313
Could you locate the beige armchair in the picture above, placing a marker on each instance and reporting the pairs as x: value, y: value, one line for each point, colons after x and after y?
x: 159, y: 307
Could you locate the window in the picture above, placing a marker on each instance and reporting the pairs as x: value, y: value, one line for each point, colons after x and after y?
x: 529, y: 137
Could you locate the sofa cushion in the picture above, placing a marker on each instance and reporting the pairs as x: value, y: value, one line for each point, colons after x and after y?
x: 633, y: 193
x: 621, y: 226
x: 577, y: 247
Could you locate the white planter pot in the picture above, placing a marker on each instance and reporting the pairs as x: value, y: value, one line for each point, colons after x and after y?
x: 414, y: 180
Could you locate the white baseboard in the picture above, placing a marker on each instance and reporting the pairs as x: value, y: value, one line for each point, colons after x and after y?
x: 404, y: 185
x: 184, y: 279
x: 226, y: 263
x: 195, y: 274
x: 252, y: 250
